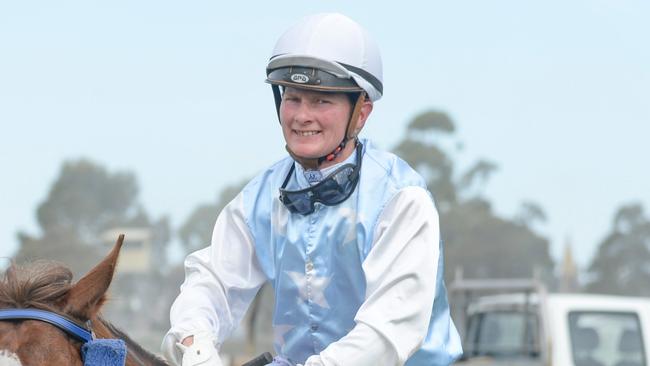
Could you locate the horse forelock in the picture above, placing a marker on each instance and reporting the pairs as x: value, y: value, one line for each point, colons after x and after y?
x: 40, y: 284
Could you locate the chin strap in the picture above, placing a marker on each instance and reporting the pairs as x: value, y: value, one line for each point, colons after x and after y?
x: 350, y: 134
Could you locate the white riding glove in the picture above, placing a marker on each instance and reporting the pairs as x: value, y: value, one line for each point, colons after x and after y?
x: 313, y: 361
x: 202, y: 352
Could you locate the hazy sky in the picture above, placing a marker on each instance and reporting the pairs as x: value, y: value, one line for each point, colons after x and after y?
x: 557, y: 93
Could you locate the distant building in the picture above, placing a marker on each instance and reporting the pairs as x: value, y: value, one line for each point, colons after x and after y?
x: 136, y: 253
x: 568, y: 270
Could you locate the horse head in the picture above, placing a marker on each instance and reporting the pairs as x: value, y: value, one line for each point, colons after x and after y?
x: 47, y: 286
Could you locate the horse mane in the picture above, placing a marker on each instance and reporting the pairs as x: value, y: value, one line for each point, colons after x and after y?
x: 141, y: 355
x: 44, y: 285
x: 41, y: 284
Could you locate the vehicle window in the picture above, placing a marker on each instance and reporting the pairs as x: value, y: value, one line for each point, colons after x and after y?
x: 606, y: 339
x: 502, y: 334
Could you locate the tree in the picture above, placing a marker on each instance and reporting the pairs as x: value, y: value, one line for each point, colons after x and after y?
x: 84, y: 201
x: 530, y: 213
x: 620, y: 265
x: 487, y: 246
x: 196, y: 231
x: 473, y: 181
x: 476, y: 239
x: 429, y: 159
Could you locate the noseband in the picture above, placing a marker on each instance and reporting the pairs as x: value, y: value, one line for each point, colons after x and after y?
x: 84, y: 335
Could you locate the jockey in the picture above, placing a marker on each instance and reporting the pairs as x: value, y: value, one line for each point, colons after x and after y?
x: 347, y: 234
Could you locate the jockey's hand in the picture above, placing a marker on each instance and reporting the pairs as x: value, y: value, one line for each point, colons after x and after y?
x: 313, y: 361
x: 199, y: 350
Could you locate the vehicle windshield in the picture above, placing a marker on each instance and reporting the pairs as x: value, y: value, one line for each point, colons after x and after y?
x: 502, y: 334
x: 606, y: 339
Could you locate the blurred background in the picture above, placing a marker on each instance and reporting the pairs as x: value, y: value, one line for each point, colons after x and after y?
x: 529, y: 121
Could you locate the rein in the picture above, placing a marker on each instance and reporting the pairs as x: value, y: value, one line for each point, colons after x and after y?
x: 67, y: 325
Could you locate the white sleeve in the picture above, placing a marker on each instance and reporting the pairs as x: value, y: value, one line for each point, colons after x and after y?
x: 400, y: 274
x: 220, y: 283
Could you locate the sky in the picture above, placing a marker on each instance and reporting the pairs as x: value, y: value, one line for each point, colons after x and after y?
x: 556, y: 93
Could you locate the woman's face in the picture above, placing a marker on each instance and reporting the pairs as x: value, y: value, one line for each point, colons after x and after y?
x: 314, y: 123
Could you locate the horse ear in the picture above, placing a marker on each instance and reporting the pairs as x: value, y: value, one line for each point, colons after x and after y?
x: 86, y: 297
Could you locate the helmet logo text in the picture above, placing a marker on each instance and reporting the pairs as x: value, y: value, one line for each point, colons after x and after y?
x: 299, y: 78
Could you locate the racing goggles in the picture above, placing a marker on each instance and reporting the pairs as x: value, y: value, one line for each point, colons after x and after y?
x: 332, y: 190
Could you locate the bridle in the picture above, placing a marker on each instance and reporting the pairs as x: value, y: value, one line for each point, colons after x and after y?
x: 83, y: 334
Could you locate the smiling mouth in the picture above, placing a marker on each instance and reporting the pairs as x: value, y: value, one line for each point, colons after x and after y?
x: 306, y: 133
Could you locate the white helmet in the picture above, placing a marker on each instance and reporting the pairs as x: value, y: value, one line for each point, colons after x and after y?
x: 327, y: 52
x: 332, y: 43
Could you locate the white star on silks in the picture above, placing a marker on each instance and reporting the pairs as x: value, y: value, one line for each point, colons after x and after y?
x: 351, y: 221
x: 279, y: 219
x: 280, y: 331
x: 317, y: 284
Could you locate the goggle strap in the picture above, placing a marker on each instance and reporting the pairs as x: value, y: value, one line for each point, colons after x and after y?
x: 286, y: 180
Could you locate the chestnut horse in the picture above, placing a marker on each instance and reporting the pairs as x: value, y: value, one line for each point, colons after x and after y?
x: 48, y: 286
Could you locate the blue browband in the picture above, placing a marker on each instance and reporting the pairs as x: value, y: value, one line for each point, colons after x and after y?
x: 55, y: 319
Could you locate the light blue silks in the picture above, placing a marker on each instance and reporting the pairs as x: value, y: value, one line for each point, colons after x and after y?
x: 315, y: 262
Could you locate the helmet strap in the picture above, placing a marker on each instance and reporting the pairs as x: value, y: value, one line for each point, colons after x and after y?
x: 278, y: 100
x: 351, y: 132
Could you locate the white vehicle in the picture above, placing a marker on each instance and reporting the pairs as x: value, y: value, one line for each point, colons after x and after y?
x: 523, y: 325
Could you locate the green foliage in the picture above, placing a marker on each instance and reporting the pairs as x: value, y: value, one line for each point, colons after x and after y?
x: 478, y: 174
x: 86, y: 199
x: 620, y: 265
x: 60, y: 245
x: 83, y: 202
x: 476, y: 239
x: 487, y: 246
x: 434, y: 165
x: 432, y: 120
x: 530, y: 213
x: 196, y: 231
